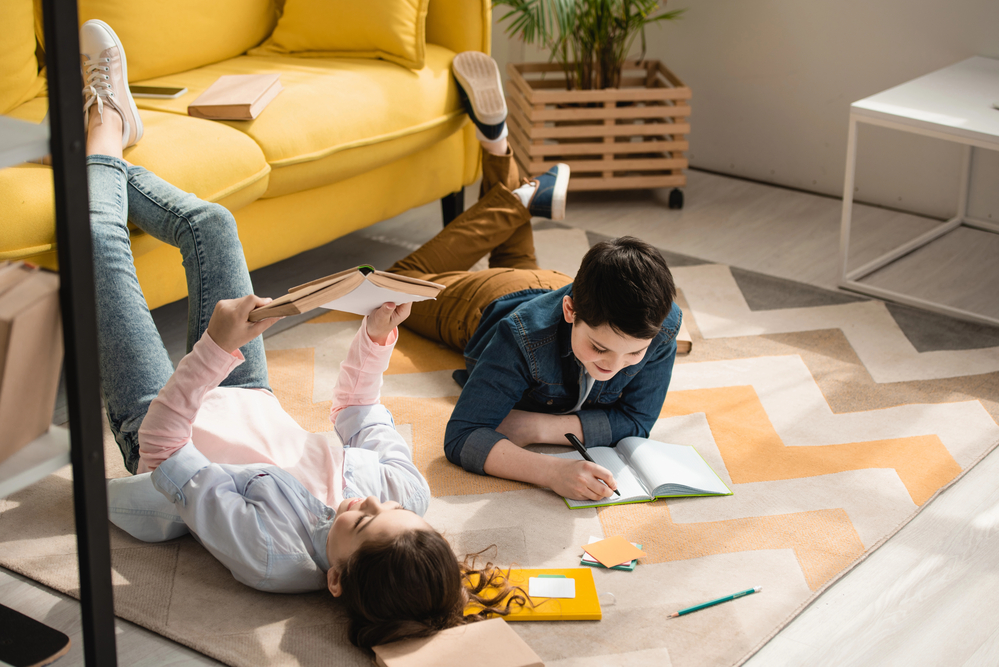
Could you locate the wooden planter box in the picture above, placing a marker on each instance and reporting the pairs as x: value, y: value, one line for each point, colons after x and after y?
x: 620, y: 138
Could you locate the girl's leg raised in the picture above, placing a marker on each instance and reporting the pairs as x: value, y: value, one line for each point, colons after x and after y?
x: 134, y: 364
x: 212, y: 254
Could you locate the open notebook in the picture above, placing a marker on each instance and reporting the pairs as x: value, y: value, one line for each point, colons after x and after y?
x: 648, y: 469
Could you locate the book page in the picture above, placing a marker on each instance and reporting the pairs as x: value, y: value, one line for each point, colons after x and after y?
x: 671, y: 470
x: 629, y: 486
x: 366, y: 297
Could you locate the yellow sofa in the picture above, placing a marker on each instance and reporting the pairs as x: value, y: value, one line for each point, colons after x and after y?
x: 349, y: 141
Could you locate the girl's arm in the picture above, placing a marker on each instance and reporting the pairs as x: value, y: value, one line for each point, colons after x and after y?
x: 360, y: 379
x: 378, y: 460
x: 168, y: 423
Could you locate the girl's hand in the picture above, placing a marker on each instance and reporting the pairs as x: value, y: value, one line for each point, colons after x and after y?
x: 230, y: 326
x: 384, y: 319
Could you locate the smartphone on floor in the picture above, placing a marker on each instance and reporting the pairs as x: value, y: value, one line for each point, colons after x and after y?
x: 158, y: 92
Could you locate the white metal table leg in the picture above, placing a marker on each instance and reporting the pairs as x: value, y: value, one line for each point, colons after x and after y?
x: 964, y: 190
x: 847, y: 219
x: 851, y: 279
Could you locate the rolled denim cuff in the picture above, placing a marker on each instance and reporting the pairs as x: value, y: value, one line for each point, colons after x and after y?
x: 476, y: 449
x: 109, y: 161
x: 596, y: 428
x: 172, y: 475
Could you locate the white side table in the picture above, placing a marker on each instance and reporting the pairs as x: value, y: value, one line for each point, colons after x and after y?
x: 954, y: 104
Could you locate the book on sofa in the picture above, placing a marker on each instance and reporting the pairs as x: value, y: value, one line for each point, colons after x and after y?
x: 357, y: 291
x: 236, y: 97
x: 648, y: 469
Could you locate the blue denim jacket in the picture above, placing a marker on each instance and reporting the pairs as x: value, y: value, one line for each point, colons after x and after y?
x: 520, y: 358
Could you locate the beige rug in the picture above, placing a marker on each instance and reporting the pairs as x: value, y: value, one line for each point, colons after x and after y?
x: 834, y: 419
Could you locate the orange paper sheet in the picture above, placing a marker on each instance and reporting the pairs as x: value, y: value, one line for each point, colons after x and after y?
x: 613, y: 551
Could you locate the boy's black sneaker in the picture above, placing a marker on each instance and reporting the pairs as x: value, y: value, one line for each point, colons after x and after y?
x: 481, y: 92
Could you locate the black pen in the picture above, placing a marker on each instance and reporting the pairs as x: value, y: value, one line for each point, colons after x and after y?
x: 582, y: 452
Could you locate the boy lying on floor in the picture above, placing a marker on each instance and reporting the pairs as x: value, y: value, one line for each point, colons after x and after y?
x: 545, y: 354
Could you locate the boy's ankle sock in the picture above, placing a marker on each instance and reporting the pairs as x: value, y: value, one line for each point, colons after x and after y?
x: 525, y: 192
x: 502, y: 134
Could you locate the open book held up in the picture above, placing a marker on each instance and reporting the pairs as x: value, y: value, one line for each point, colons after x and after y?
x: 647, y: 469
x: 357, y: 291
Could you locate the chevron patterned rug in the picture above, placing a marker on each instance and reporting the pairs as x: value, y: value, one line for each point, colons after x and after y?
x: 834, y: 419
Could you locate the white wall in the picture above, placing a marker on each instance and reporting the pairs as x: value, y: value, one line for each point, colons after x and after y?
x: 772, y: 82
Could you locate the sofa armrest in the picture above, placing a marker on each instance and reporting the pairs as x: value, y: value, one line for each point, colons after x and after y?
x: 460, y: 25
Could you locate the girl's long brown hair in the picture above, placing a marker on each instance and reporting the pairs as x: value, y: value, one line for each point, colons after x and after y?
x: 413, y: 586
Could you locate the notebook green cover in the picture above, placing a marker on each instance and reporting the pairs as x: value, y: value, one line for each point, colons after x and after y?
x: 648, y: 469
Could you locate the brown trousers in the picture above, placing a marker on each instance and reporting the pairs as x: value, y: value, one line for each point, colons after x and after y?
x: 498, y: 224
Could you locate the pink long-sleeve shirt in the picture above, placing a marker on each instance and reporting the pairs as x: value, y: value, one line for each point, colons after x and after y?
x: 238, y: 426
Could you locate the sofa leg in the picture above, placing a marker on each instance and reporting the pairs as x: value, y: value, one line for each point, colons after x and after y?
x: 453, y: 205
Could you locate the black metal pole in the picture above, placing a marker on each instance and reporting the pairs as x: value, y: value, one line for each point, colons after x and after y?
x: 79, y: 320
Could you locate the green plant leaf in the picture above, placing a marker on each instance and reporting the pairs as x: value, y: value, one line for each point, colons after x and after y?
x: 590, y: 39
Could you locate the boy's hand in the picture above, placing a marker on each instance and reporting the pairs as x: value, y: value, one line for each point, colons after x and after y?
x: 384, y: 319
x: 230, y: 327
x: 580, y: 480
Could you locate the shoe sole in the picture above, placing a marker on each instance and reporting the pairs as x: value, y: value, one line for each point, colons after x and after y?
x: 124, y: 74
x: 479, y: 76
x: 559, y: 192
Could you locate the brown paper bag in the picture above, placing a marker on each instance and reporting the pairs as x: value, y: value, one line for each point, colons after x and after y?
x: 30, y: 354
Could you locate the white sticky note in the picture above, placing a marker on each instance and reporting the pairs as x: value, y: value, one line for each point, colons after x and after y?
x: 545, y: 587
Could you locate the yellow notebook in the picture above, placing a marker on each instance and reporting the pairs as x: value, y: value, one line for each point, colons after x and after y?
x: 584, y: 607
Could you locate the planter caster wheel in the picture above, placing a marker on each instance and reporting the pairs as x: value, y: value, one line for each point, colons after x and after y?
x: 676, y: 198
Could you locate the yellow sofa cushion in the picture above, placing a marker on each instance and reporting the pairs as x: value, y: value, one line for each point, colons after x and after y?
x: 173, y: 148
x: 274, y: 229
x: 19, y: 80
x: 166, y: 37
x: 336, y: 117
x: 461, y: 25
x: 393, y: 30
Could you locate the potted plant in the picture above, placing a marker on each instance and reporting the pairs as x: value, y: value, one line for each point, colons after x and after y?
x: 619, y: 122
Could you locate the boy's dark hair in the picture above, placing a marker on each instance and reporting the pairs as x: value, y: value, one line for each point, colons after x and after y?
x: 412, y: 585
x: 625, y: 283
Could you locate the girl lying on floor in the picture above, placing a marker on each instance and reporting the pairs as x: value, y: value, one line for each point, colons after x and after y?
x: 217, y: 456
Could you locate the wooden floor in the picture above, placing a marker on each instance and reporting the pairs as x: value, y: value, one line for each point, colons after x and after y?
x: 926, y: 598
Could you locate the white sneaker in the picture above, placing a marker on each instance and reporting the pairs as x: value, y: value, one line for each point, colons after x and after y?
x: 105, y: 79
